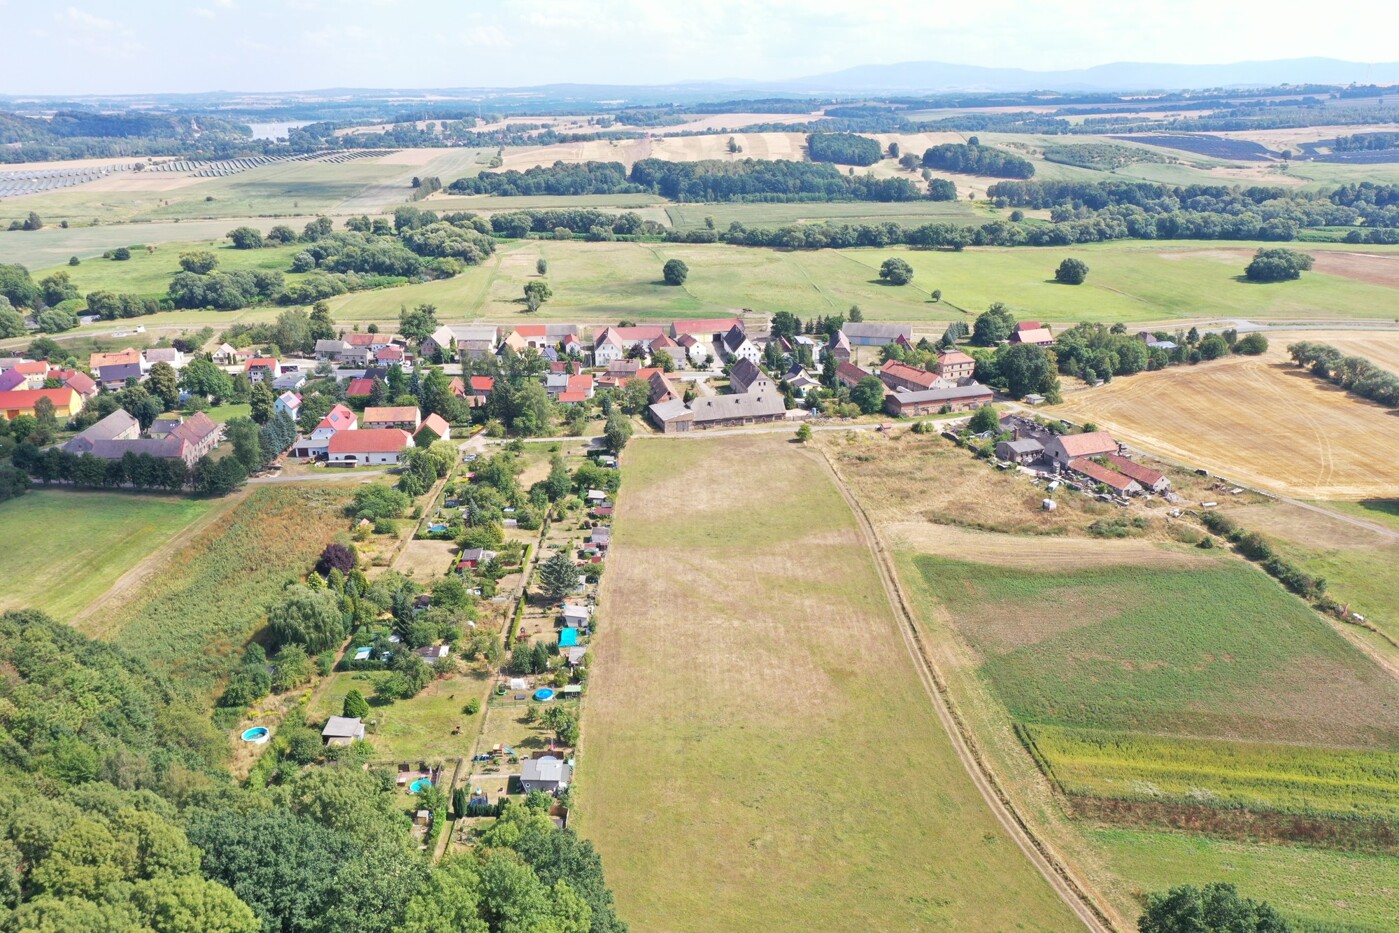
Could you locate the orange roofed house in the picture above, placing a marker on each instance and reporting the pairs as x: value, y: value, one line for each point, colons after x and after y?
x: 66, y: 402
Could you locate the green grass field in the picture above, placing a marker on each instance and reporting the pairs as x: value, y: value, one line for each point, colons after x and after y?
x: 1128, y: 282
x: 67, y: 547
x: 1326, y: 892
x: 214, y: 593
x: 758, y: 752
x: 51, y: 246
x: 148, y: 273
x: 1220, y: 652
x: 1338, y: 783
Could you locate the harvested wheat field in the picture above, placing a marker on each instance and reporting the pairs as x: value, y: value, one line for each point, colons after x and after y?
x: 1255, y: 420
x: 758, y: 750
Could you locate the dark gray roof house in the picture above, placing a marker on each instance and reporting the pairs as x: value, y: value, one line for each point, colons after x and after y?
x: 747, y: 377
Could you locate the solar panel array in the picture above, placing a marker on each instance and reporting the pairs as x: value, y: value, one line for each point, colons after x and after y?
x: 36, y: 181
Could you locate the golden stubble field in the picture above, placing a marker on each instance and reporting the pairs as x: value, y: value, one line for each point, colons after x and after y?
x: 758, y: 751
x: 1254, y: 420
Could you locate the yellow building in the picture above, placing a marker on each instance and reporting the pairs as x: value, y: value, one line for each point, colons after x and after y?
x: 66, y: 402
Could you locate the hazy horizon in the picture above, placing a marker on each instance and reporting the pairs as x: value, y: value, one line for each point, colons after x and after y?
x: 160, y: 46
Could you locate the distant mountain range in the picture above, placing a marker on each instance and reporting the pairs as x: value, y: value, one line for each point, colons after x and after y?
x: 1118, y: 76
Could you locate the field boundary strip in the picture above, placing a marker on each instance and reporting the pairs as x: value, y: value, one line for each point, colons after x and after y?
x: 1085, y: 905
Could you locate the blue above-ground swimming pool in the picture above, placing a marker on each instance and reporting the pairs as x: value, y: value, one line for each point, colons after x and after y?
x: 544, y: 693
x: 257, y: 735
x: 420, y: 785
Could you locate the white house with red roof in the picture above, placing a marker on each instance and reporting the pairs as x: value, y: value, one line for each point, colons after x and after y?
x: 368, y: 447
x: 317, y: 443
x: 262, y: 368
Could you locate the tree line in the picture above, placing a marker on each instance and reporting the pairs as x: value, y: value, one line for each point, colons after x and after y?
x: 707, y: 180
x: 1352, y: 373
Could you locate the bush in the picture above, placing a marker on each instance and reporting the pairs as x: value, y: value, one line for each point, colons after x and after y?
x: 472, y: 707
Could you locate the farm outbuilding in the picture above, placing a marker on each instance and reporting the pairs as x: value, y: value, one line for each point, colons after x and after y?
x: 1026, y: 451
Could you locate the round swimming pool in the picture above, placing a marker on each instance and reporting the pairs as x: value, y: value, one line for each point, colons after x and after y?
x: 543, y: 693
x: 420, y: 785
x: 257, y: 735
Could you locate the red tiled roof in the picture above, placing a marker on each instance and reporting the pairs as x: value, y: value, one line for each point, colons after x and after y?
x: 369, y: 441
x: 710, y: 325
x: 905, y: 373
x: 457, y: 386
x: 954, y: 358
x: 482, y: 383
x: 339, y: 417
x: 360, y: 386
x: 1096, y: 471
x: 1028, y: 325
x: 581, y: 383
x: 570, y: 397
x: 360, y: 340
x: 1144, y: 475
x: 96, y: 361
x: 436, y: 424
x: 1088, y: 445
x: 850, y: 372
x: 32, y: 367
x: 260, y: 361
x: 389, y: 353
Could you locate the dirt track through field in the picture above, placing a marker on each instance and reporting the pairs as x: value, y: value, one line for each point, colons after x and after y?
x: 1074, y: 894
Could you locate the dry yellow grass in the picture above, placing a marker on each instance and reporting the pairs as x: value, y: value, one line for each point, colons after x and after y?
x: 758, y: 752
x: 988, y: 547
x: 1255, y: 420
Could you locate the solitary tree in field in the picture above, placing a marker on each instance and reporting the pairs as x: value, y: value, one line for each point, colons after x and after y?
x: 536, y: 293
x: 896, y: 271
x: 542, y: 266
x: 855, y: 315
x: 1071, y: 272
x: 893, y: 150
x: 675, y: 272
x: 804, y: 433
x: 937, y: 294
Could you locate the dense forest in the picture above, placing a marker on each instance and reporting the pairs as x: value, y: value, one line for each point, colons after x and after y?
x: 708, y: 180
x: 119, y: 814
x: 845, y: 148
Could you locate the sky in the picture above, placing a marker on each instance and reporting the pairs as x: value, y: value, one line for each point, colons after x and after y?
x: 155, y: 46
